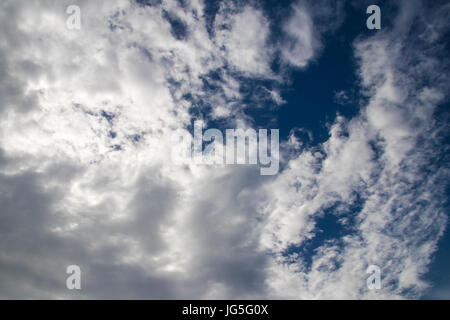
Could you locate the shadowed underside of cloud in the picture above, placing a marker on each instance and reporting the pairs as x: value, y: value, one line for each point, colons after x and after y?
x: 86, y: 175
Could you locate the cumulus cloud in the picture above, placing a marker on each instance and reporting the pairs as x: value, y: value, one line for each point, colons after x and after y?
x: 304, y: 28
x: 301, y: 43
x: 86, y: 178
x: 244, y: 36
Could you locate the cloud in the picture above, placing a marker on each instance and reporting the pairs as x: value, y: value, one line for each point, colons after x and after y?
x: 244, y: 36
x: 374, y: 162
x: 304, y: 28
x: 91, y: 156
x: 87, y: 178
x: 301, y: 43
x: 341, y: 97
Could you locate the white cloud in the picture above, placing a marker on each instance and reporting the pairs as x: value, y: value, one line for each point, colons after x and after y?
x: 301, y: 43
x: 304, y: 28
x: 244, y: 37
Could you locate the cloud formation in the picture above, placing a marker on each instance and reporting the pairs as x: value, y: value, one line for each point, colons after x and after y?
x: 86, y: 178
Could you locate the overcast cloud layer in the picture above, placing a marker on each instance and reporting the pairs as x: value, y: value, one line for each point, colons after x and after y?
x: 86, y: 175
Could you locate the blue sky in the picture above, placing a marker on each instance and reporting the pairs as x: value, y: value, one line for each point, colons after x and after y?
x: 87, y: 177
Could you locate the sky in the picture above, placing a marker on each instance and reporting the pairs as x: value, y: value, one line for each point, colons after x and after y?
x: 87, y: 177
